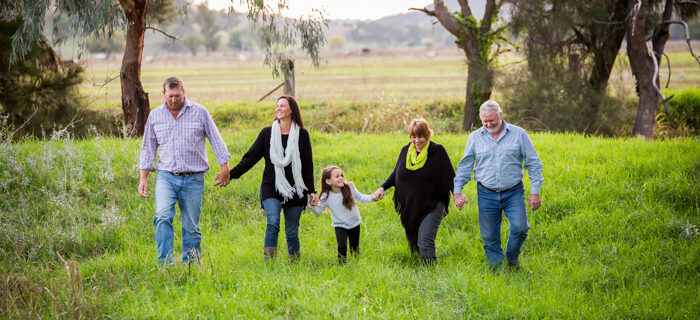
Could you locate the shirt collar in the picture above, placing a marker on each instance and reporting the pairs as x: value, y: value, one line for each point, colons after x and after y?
x: 186, y: 106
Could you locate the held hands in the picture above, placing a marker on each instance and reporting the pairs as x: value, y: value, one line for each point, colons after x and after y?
x: 378, y: 195
x: 223, y: 178
x: 534, y: 202
x: 460, y: 200
x: 313, y: 199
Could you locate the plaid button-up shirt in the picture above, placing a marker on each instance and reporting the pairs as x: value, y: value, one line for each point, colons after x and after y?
x: 180, y: 141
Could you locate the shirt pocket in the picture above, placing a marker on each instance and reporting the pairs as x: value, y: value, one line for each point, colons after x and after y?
x: 163, y: 133
x: 192, y: 131
x: 511, y: 153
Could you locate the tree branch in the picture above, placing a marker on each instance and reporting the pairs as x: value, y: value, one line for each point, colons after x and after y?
x: 106, y: 81
x: 424, y: 10
x: 447, y: 19
x: 610, y: 22
x: 653, y: 82
x: 697, y: 3
x: 464, y: 4
x: 163, y: 32
x: 687, y: 36
x: 668, y: 63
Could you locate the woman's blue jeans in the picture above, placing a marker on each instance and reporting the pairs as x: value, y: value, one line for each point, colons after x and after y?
x: 187, y: 192
x: 273, y: 209
x: 492, y: 205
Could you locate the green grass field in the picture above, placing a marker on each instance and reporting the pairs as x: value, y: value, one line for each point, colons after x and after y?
x: 404, y: 77
x: 617, y: 237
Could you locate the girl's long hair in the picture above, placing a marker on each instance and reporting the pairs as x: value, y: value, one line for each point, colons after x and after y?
x: 348, y: 200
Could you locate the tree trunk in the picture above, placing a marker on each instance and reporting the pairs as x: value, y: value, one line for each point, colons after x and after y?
x: 479, y: 87
x: 604, y: 55
x: 135, y: 102
x: 289, y: 78
x: 643, y: 70
x: 480, y: 75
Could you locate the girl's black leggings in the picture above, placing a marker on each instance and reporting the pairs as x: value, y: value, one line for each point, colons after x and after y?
x: 342, y: 235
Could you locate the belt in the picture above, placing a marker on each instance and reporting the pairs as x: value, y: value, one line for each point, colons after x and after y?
x: 184, y: 174
x: 501, y: 191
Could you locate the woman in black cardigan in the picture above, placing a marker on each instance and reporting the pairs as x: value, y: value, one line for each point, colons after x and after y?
x: 288, y: 175
x: 423, y: 177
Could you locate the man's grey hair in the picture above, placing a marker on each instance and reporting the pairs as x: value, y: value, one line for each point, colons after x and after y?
x: 173, y: 82
x: 489, y: 107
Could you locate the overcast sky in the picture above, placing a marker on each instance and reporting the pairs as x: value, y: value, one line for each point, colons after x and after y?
x: 340, y: 9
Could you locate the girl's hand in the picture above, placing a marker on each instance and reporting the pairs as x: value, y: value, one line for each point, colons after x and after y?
x: 313, y: 199
x: 378, y: 195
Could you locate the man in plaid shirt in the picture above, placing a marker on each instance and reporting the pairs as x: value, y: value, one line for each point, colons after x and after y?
x: 177, y: 130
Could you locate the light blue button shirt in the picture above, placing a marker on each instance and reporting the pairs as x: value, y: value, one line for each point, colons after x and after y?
x: 498, y: 165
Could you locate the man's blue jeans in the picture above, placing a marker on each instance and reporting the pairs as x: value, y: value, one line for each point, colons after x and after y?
x: 491, y: 208
x: 187, y: 192
x: 273, y: 208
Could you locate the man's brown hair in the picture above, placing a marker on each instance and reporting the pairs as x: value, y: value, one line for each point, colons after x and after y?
x: 172, y: 83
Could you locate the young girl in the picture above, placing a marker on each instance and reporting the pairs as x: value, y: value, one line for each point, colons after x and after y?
x: 341, y: 198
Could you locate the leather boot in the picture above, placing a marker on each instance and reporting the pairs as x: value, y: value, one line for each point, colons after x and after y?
x: 293, y: 257
x: 269, y: 252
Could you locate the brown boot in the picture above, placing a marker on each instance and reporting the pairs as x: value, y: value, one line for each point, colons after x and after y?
x: 293, y: 257
x: 269, y: 252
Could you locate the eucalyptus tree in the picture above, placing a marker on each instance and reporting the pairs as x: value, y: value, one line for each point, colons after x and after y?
x: 101, y: 18
x: 649, y: 20
x: 571, y: 47
x: 481, y: 41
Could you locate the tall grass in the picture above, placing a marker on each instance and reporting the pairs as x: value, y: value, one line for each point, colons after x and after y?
x: 617, y: 237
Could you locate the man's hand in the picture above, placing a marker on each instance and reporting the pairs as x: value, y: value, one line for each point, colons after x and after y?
x: 460, y: 200
x: 378, y: 195
x: 223, y: 178
x: 143, y: 184
x: 534, y: 202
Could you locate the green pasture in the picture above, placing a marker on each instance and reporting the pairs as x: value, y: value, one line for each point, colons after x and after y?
x: 390, y: 76
x: 616, y: 237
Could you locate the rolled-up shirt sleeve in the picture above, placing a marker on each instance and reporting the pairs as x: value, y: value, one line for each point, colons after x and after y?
x: 149, y: 147
x: 465, y: 167
x: 532, y: 164
x: 217, y: 142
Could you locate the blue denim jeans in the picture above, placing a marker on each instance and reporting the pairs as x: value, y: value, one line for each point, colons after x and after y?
x: 187, y: 193
x: 492, y: 205
x: 273, y: 208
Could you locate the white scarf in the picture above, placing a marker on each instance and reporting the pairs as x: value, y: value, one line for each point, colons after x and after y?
x: 283, y: 157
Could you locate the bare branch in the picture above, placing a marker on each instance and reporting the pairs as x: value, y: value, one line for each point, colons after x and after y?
x: 697, y: 3
x: 464, y: 4
x: 668, y: 63
x: 106, y: 81
x: 687, y: 36
x: 163, y: 32
x: 424, y: 10
x: 609, y: 22
x: 653, y: 82
x: 633, y: 14
x: 271, y: 91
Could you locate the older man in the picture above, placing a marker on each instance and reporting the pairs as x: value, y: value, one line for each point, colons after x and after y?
x: 497, y: 153
x: 177, y: 131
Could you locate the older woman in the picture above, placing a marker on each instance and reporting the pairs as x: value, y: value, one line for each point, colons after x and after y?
x: 288, y: 175
x: 423, y: 178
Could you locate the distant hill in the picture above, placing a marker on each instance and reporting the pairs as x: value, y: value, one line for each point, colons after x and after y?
x: 408, y: 29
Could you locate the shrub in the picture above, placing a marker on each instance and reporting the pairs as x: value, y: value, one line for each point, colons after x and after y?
x: 683, y: 116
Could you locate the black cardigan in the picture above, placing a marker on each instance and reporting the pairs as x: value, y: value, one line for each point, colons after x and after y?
x: 418, y: 192
x: 260, y: 149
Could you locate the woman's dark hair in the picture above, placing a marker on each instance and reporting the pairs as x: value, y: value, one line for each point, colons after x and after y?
x: 296, y: 114
x: 348, y: 200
